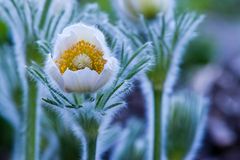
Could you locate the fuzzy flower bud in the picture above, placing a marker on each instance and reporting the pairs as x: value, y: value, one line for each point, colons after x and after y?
x: 149, y: 8
x: 81, y: 60
x: 61, y: 5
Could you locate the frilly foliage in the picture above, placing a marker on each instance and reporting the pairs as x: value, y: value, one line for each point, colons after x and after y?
x: 9, y: 87
x: 185, y: 127
x: 136, y: 145
x: 89, y: 110
x: 38, y: 25
x: 169, y: 37
x: 153, y: 47
x: 169, y: 34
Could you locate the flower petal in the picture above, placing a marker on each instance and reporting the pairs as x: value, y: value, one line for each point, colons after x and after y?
x: 110, y: 70
x: 84, y: 80
x: 53, y: 71
x: 77, y: 32
x: 80, y: 81
x: 89, y: 34
x: 64, y: 42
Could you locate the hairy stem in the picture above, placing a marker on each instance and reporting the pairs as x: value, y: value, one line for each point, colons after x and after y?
x: 91, y: 148
x: 32, y: 106
x: 90, y: 125
x: 31, y: 152
x: 157, y: 96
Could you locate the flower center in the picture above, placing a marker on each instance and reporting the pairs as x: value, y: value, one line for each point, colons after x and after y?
x: 81, y: 61
x: 81, y: 55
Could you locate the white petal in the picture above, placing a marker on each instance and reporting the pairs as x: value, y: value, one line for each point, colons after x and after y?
x: 77, y: 32
x: 104, y: 46
x: 53, y: 71
x: 88, y: 33
x: 80, y: 81
x: 112, y: 64
x: 110, y: 70
x: 64, y: 42
x: 80, y: 27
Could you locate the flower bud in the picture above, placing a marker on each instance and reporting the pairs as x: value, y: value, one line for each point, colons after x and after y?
x: 81, y: 60
x: 148, y: 8
x: 60, y: 5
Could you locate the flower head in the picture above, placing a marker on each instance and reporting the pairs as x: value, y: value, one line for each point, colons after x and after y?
x: 81, y: 60
x: 61, y: 5
x: 149, y: 8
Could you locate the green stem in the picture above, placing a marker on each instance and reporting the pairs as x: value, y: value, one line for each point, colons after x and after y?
x: 32, y: 106
x: 32, y: 121
x: 157, y: 96
x: 90, y: 126
x: 91, y: 148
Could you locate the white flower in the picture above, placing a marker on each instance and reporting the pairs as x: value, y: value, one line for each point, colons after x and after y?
x: 149, y: 8
x: 81, y: 60
x: 60, y: 5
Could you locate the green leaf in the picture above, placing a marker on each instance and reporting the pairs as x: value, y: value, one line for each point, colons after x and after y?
x: 113, y: 106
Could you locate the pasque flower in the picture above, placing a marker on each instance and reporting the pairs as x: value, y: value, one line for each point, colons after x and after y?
x: 149, y: 8
x: 61, y: 5
x: 81, y: 60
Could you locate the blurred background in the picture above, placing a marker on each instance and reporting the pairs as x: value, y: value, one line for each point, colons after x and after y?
x: 211, y: 67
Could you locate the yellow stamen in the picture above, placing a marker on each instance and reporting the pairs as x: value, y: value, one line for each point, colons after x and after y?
x: 81, y: 55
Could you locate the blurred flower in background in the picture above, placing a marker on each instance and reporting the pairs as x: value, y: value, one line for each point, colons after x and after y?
x: 149, y: 8
x: 59, y: 5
